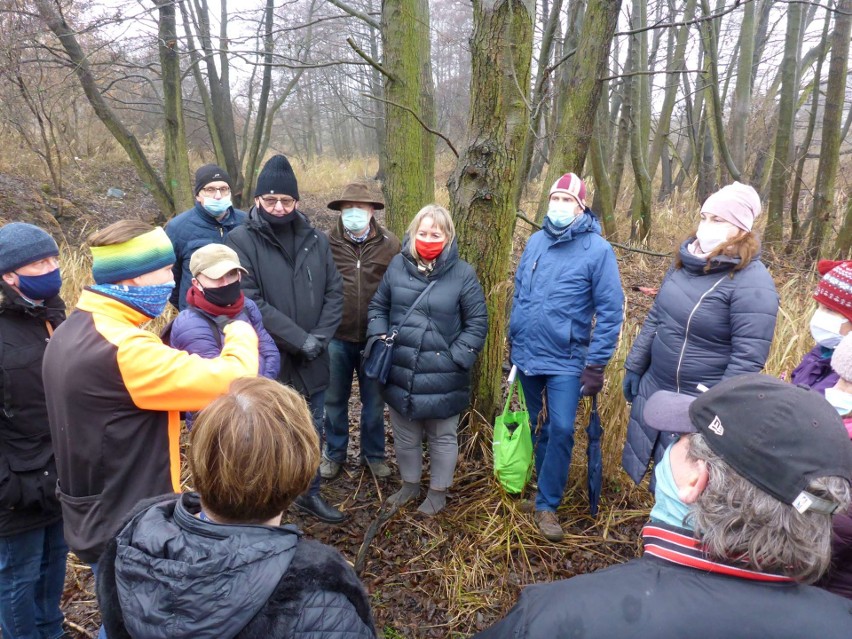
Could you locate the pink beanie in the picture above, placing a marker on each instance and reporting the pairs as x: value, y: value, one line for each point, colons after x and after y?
x: 572, y: 185
x: 736, y: 203
x: 841, y: 359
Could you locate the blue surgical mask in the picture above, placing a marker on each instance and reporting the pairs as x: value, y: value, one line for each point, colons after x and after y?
x: 217, y: 207
x: 150, y: 300
x: 355, y: 219
x: 562, y: 213
x: 841, y: 400
x: 668, y: 508
x: 40, y: 287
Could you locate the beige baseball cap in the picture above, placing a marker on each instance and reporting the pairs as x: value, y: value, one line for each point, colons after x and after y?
x: 214, y: 261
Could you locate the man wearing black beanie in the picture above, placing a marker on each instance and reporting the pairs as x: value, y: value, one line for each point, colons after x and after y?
x: 208, y: 222
x: 293, y: 280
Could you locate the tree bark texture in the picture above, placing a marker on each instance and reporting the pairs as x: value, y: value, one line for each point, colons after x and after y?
x: 741, y: 104
x: 482, y: 188
x: 640, y: 217
x: 581, y: 94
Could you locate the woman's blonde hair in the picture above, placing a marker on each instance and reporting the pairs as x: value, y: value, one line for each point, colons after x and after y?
x: 440, y: 218
x: 745, y: 246
x: 253, y: 451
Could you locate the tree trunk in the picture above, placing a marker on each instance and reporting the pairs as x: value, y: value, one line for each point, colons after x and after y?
x: 410, y: 180
x: 582, y: 92
x: 741, y: 104
x: 603, y: 187
x: 640, y: 218
x: 829, y: 153
x: 843, y: 246
x: 262, y: 101
x: 784, y: 136
x: 482, y: 188
x: 49, y: 12
x: 177, y: 158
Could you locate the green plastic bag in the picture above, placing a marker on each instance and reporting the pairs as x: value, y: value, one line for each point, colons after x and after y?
x: 512, y: 444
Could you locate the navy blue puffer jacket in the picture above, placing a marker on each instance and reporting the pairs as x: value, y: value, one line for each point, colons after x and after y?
x: 704, y: 327
x: 439, y: 343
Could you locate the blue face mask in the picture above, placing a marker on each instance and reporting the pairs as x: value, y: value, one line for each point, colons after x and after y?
x: 217, y: 207
x: 562, y: 213
x: 668, y: 508
x: 355, y: 219
x: 150, y: 300
x: 40, y: 287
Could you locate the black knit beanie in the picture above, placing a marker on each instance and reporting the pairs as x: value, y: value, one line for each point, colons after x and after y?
x: 277, y: 178
x: 210, y: 173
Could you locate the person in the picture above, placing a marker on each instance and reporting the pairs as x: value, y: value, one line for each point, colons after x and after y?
x: 215, y: 292
x: 839, y: 578
x: 829, y: 323
x: 428, y: 385
x: 209, y: 221
x: 293, y: 279
x: 567, y: 277
x: 218, y: 563
x: 713, y: 318
x: 32, y: 547
x: 115, y: 391
x: 362, y: 250
x: 740, y: 529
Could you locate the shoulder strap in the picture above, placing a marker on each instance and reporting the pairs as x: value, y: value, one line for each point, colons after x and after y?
x: 413, y: 306
x: 209, y: 320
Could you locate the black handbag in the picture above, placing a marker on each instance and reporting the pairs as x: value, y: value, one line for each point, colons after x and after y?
x: 378, y: 353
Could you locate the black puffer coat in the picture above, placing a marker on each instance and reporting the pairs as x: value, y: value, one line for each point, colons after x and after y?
x: 27, y: 465
x: 704, y: 327
x: 439, y: 343
x: 168, y: 574
x: 295, y: 297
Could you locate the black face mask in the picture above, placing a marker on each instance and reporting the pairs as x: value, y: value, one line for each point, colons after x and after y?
x: 275, y: 221
x: 223, y: 295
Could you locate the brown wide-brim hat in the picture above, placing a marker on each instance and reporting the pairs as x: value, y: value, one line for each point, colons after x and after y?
x: 356, y: 192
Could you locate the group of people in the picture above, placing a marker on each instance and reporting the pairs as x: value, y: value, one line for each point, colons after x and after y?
x: 274, y: 319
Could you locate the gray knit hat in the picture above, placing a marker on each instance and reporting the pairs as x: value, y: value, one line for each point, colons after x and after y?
x: 22, y: 244
x: 841, y: 359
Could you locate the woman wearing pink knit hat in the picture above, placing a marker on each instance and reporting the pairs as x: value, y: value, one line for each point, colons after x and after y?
x: 713, y: 318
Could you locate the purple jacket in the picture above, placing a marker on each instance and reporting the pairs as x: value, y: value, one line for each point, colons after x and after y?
x: 839, y: 578
x: 194, y: 334
x: 814, y: 371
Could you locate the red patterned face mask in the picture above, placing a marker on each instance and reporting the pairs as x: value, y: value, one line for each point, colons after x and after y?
x: 428, y: 250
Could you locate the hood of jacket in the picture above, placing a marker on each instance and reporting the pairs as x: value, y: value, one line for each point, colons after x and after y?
x: 448, y: 257
x: 178, y: 576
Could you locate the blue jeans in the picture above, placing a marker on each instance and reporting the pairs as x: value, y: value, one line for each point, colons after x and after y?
x: 32, y: 576
x: 555, y: 441
x: 101, y: 631
x: 316, y: 404
x: 346, y: 359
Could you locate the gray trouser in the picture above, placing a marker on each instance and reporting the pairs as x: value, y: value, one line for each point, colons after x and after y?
x: 443, y: 444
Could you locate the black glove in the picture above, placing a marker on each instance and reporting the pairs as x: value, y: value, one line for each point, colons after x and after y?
x: 311, y: 349
x: 592, y: 380
x: 222, y: 321
x: 630, y: 387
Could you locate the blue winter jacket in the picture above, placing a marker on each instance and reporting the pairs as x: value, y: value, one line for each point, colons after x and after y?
x: 560, y: 285
x: 189, y: 231
x: 704, y: 326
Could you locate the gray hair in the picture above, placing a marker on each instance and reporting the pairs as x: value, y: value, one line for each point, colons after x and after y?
x: 737, y: 520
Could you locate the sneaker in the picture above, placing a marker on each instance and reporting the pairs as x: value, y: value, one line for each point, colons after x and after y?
x: 549, y: 526
x: 329, y: 468
x: 379, y: 468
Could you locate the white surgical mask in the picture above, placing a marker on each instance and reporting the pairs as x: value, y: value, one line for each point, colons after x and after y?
x: 562, y: 213
x: 825, y: 328
x: 711, y: 234
x: 841, y: 400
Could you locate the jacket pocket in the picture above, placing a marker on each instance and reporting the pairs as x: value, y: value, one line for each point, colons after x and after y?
x: 84, y: 524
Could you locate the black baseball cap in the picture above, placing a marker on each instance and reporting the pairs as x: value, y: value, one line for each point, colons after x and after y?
x: 777, y: 436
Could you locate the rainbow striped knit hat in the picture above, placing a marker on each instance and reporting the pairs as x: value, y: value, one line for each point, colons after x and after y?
x: 142, y: 254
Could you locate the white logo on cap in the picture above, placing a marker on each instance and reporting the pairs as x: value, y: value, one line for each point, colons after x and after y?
x: 803, y: 502
x: 716, y: 426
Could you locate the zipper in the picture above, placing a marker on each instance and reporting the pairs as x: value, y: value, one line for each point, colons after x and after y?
x: 221, y: 232
x: 686, y: 334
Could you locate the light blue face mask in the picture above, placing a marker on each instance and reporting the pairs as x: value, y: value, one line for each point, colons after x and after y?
x: 668, y: 508
x: 217, y: 207
x: 355, y: 219
x: 841, y: 400
x: 562, y: 213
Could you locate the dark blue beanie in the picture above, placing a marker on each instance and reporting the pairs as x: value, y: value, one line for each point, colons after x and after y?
x: 22, y: 244
x: 277, y: 178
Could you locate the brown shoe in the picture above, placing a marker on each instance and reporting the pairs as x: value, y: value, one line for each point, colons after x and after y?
x: 549, y: 526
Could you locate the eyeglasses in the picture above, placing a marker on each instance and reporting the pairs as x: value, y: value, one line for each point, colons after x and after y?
x: 270, y: 202
x: 211, y: 191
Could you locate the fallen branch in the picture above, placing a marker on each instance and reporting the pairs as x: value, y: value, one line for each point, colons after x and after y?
x: 385, y: 514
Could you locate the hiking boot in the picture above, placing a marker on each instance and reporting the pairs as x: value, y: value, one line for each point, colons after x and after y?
x: 379, y: 468
x: 329, y: 469
x: 549, y: 526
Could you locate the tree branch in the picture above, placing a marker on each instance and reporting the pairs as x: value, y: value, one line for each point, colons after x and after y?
x: 416, y: 117
x: 685, y: 23
x: 355, y: 13
x: 373, y: 63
